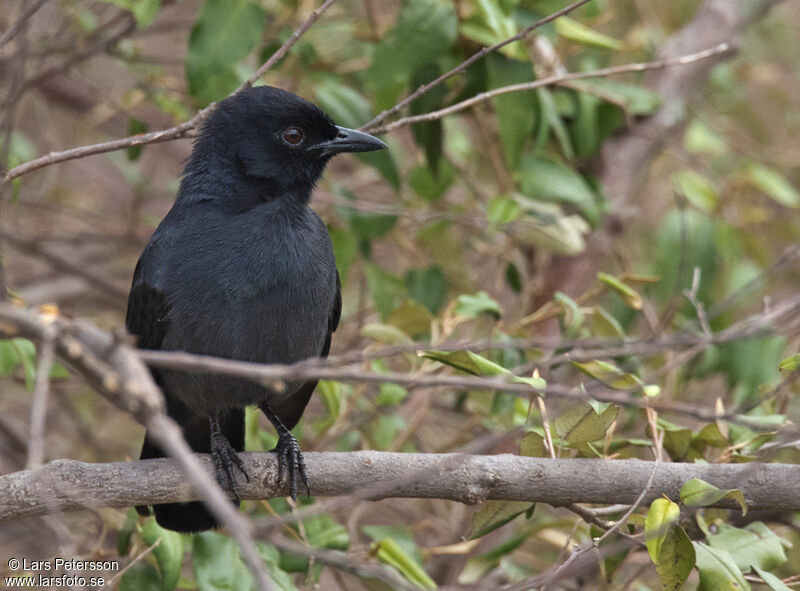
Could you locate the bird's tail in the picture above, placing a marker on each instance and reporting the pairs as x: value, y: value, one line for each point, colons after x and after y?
x: 193, y: 517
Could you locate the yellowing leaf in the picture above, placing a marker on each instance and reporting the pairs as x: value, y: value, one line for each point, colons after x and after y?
x: 627, y: 293
x: 699, y: 493
x: 773, y: 184
x: 572, y: 29
x: 582, y: 423
x: 495, y: 514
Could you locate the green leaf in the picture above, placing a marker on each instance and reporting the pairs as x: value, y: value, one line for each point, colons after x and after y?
x: 604, y: 324
x: 384, y: 430
x: 366, y: 226
x: 399, y: 534
x: 660, y: 517
x: 773, y: 184
x: 345, y: 249
x: 629, y: 295
x: 638, y: 99
x: 582, y: 423
x: 427, y: 286
x: 386, y: 289
x: 502, y: 210
x: 225, y: 32
x: 609, y: 374
x: 585, y: 128
x: 516, y: 111
x: 323, y: 531
x: 755, y: 545
x: 676, y: 558
x: 774, y: 582
x: 549, y: 180
x: 555, y: 122
x: 389, y: 551
x: 473, y: 306
x: 571, y: 318
x: 385, y: 333
x: 334, y: 396
x: 431, y: 186
x: 697, y: 189
x: 217, y: 565
x: 467, y: 361
x: 140, y: 577
x: 700, y: 139
x: 788, y: 364
x: 495, y: 514
x: 391, y: 394
x: 126, y: 531
x: 383, y: 162
x: 135, y: 127
x: 677, y: 439
x: 546, y: 226
x: 699, y: 493
x: 281, y: 580
x: 343, y: 103
x: 532, y: 445
x: 144, y: 11
x: 9, y: 358
x: 26, y: 355
x: 425, y: 29
x: 168, y: 552
x: 572, y: 29
x: 491, y: 22
x: 411, y: 317
x: 717, y: 570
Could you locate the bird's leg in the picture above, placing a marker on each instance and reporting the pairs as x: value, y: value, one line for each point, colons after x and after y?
x: 290, y: 458
x: 225, y: 458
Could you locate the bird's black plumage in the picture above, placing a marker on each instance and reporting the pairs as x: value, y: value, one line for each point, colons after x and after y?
x: 241, y: 267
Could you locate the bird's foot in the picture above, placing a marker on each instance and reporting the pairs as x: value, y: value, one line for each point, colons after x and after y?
x: 290, y: 462
x: 225, y: 458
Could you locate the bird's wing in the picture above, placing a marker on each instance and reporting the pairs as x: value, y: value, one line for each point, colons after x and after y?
x: 147, y: 310
x: 292, y: 408
x: 336, y: 311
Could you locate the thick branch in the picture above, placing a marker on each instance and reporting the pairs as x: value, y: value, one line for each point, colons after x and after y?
x: 66, y: 485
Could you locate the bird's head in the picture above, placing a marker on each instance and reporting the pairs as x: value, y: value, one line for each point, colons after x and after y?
x: 275, y: 138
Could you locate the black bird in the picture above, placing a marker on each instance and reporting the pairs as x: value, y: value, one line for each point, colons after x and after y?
x: 241, y: 267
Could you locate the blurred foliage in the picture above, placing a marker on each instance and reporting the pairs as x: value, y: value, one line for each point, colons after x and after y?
x: 465, y: 231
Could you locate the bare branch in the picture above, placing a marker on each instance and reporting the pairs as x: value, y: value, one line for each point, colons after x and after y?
x: 41, y: 393
x: 23, y: 18
x: 470, y: 479
x: 284, y: 49
x: 179, y: 131
x: 461, y: 68
x: 716, y: 50
x: 61, y: 263
x: 116, y: 372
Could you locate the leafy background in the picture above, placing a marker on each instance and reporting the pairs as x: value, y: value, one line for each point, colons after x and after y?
x: 487, y: 225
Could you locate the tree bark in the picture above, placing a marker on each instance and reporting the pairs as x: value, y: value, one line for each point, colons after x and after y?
x: 67, y: 485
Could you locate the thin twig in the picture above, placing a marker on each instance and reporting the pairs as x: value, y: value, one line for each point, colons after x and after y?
x: 179, y: 131
x: 15, y: 28
x: 110, y: 583
x: 41, y: 391
x: 719, y: 49
x: 461, y: 68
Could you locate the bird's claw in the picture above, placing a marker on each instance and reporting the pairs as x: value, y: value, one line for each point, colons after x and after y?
x: 291, y: 463
x: 225, y: 458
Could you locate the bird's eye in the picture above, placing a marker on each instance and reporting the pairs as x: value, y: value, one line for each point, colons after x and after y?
x: 293, y: 136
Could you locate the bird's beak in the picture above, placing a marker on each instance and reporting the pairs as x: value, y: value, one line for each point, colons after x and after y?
x: 348, y: 140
